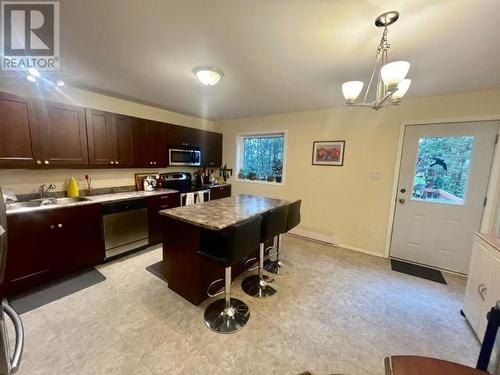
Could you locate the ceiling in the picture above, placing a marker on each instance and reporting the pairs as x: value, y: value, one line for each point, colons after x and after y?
x: 277, y: 55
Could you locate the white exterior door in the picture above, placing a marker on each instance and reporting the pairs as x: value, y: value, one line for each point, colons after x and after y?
x: 442, y: 186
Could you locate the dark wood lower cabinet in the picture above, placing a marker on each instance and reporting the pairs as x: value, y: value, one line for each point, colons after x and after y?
x: 76, y: 238
x: 155, y: 220
x: 28, y: 255
x: 219, y: 192
x: 47, y: 244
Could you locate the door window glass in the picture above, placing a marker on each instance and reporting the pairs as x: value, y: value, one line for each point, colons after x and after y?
x: 442, y: 169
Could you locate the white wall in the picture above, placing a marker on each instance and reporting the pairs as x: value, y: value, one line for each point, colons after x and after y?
x: 27, y: 181
x: 344, y: 202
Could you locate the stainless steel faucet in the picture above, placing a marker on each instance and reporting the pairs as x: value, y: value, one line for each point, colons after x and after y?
x: 44, y: 189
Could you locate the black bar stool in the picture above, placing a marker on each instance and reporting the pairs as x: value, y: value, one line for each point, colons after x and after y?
x: 273, y: 223
x: 228, y: 247
x: 278, y: 266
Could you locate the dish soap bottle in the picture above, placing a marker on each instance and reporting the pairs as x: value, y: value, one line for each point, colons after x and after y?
x: 72, y: 189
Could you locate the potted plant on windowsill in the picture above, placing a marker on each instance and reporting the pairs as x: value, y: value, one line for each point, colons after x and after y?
x: 242, y: 174
x: 277, y: 169
x: 252, y: 175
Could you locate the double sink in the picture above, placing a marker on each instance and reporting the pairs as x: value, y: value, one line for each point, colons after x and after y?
x: 45, y: 202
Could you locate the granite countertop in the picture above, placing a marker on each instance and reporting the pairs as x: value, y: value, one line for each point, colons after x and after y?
x: 93, y: 199
x: 221, y: 213
x: 491, y: 238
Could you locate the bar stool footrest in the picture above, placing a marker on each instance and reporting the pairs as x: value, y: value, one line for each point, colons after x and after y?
x: 278, y: 267
x: 255, y: 287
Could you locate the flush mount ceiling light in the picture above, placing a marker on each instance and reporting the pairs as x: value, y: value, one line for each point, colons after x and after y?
x: 391, y: 83
x: 208, y: 75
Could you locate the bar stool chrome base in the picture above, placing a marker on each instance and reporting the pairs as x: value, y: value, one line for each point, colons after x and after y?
x: 254, y: 286
x: 278, y: 267
x: 222, y: 319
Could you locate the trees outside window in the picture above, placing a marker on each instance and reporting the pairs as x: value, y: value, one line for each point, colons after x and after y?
x: 262, y: 157
x: 442, y: 168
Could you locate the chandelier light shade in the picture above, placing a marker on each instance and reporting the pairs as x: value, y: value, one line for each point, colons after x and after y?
x: 351, y: 90
x: 403, y: 87
x: 393, y: 73
x: 207, y: 75
x: 387, y: 82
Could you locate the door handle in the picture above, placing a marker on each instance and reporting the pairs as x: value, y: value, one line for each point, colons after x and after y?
x: 19, y: 329
x: 403, y: 190
x: 402, y: 200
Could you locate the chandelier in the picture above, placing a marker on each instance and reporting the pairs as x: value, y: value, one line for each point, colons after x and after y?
x: 391, y: 84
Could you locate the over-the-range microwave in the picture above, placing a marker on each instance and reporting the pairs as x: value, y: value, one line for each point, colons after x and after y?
x: 184, y: 156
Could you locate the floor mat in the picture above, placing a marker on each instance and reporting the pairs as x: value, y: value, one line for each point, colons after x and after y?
x: 418, y: 271
x: 156, y: 269
x: 55, y: 290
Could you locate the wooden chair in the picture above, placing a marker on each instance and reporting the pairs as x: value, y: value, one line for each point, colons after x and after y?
x: 415, y: 365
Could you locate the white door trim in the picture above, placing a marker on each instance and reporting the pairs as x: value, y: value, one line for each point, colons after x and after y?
x: 492, y: 194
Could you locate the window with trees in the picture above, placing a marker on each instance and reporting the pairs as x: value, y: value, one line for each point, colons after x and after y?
x: 261, y: 157
x: 442, y: 169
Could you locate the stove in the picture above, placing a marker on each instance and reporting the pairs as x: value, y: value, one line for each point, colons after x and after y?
x: 190, y: 192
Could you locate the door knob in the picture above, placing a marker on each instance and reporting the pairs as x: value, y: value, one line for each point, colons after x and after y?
x: 403, y: 190
x: 402, y: 200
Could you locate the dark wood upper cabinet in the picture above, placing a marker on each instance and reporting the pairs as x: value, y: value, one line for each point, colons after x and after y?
x: 100, y: 137
x: 181, y: 136
x: 211, y: 149
x: 149, y: 146
x: 63, y: 134
x: 123, y: 130
x: 110, y: 138
x: 19, y: 136
x: 36, y: 133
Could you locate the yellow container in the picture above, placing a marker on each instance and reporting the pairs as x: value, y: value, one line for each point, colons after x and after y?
x: 72, y: 189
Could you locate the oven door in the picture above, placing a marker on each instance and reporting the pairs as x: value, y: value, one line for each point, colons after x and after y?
x: 177, y: 156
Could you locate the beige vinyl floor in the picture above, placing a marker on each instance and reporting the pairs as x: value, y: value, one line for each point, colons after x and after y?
x: 338, y: 312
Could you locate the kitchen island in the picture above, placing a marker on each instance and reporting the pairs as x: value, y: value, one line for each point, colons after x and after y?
x: 187, y: 273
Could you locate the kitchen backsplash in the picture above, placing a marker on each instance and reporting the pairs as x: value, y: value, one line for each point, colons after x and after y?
x: 23, y: 181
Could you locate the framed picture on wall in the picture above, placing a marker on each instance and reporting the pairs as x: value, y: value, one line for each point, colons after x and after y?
x: 328, y: 153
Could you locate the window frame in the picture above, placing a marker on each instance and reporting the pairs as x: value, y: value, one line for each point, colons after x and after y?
x: 239, y: 154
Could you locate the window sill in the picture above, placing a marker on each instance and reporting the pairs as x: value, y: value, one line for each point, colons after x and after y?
x: 260, y: 182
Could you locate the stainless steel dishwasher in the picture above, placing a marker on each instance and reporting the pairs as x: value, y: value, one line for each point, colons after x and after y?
x: 125, y: 226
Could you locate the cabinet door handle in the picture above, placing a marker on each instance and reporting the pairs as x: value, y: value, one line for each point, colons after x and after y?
x: 117, y: 162
x: 59, y: 225
x: 39, y: 162
x: 482, y: 289
x: 483, y: 293
x: 52, y: 226
x: 46, y: 162
x: 111, y: 162
x: 163, y: 206
x: 164, y: 197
